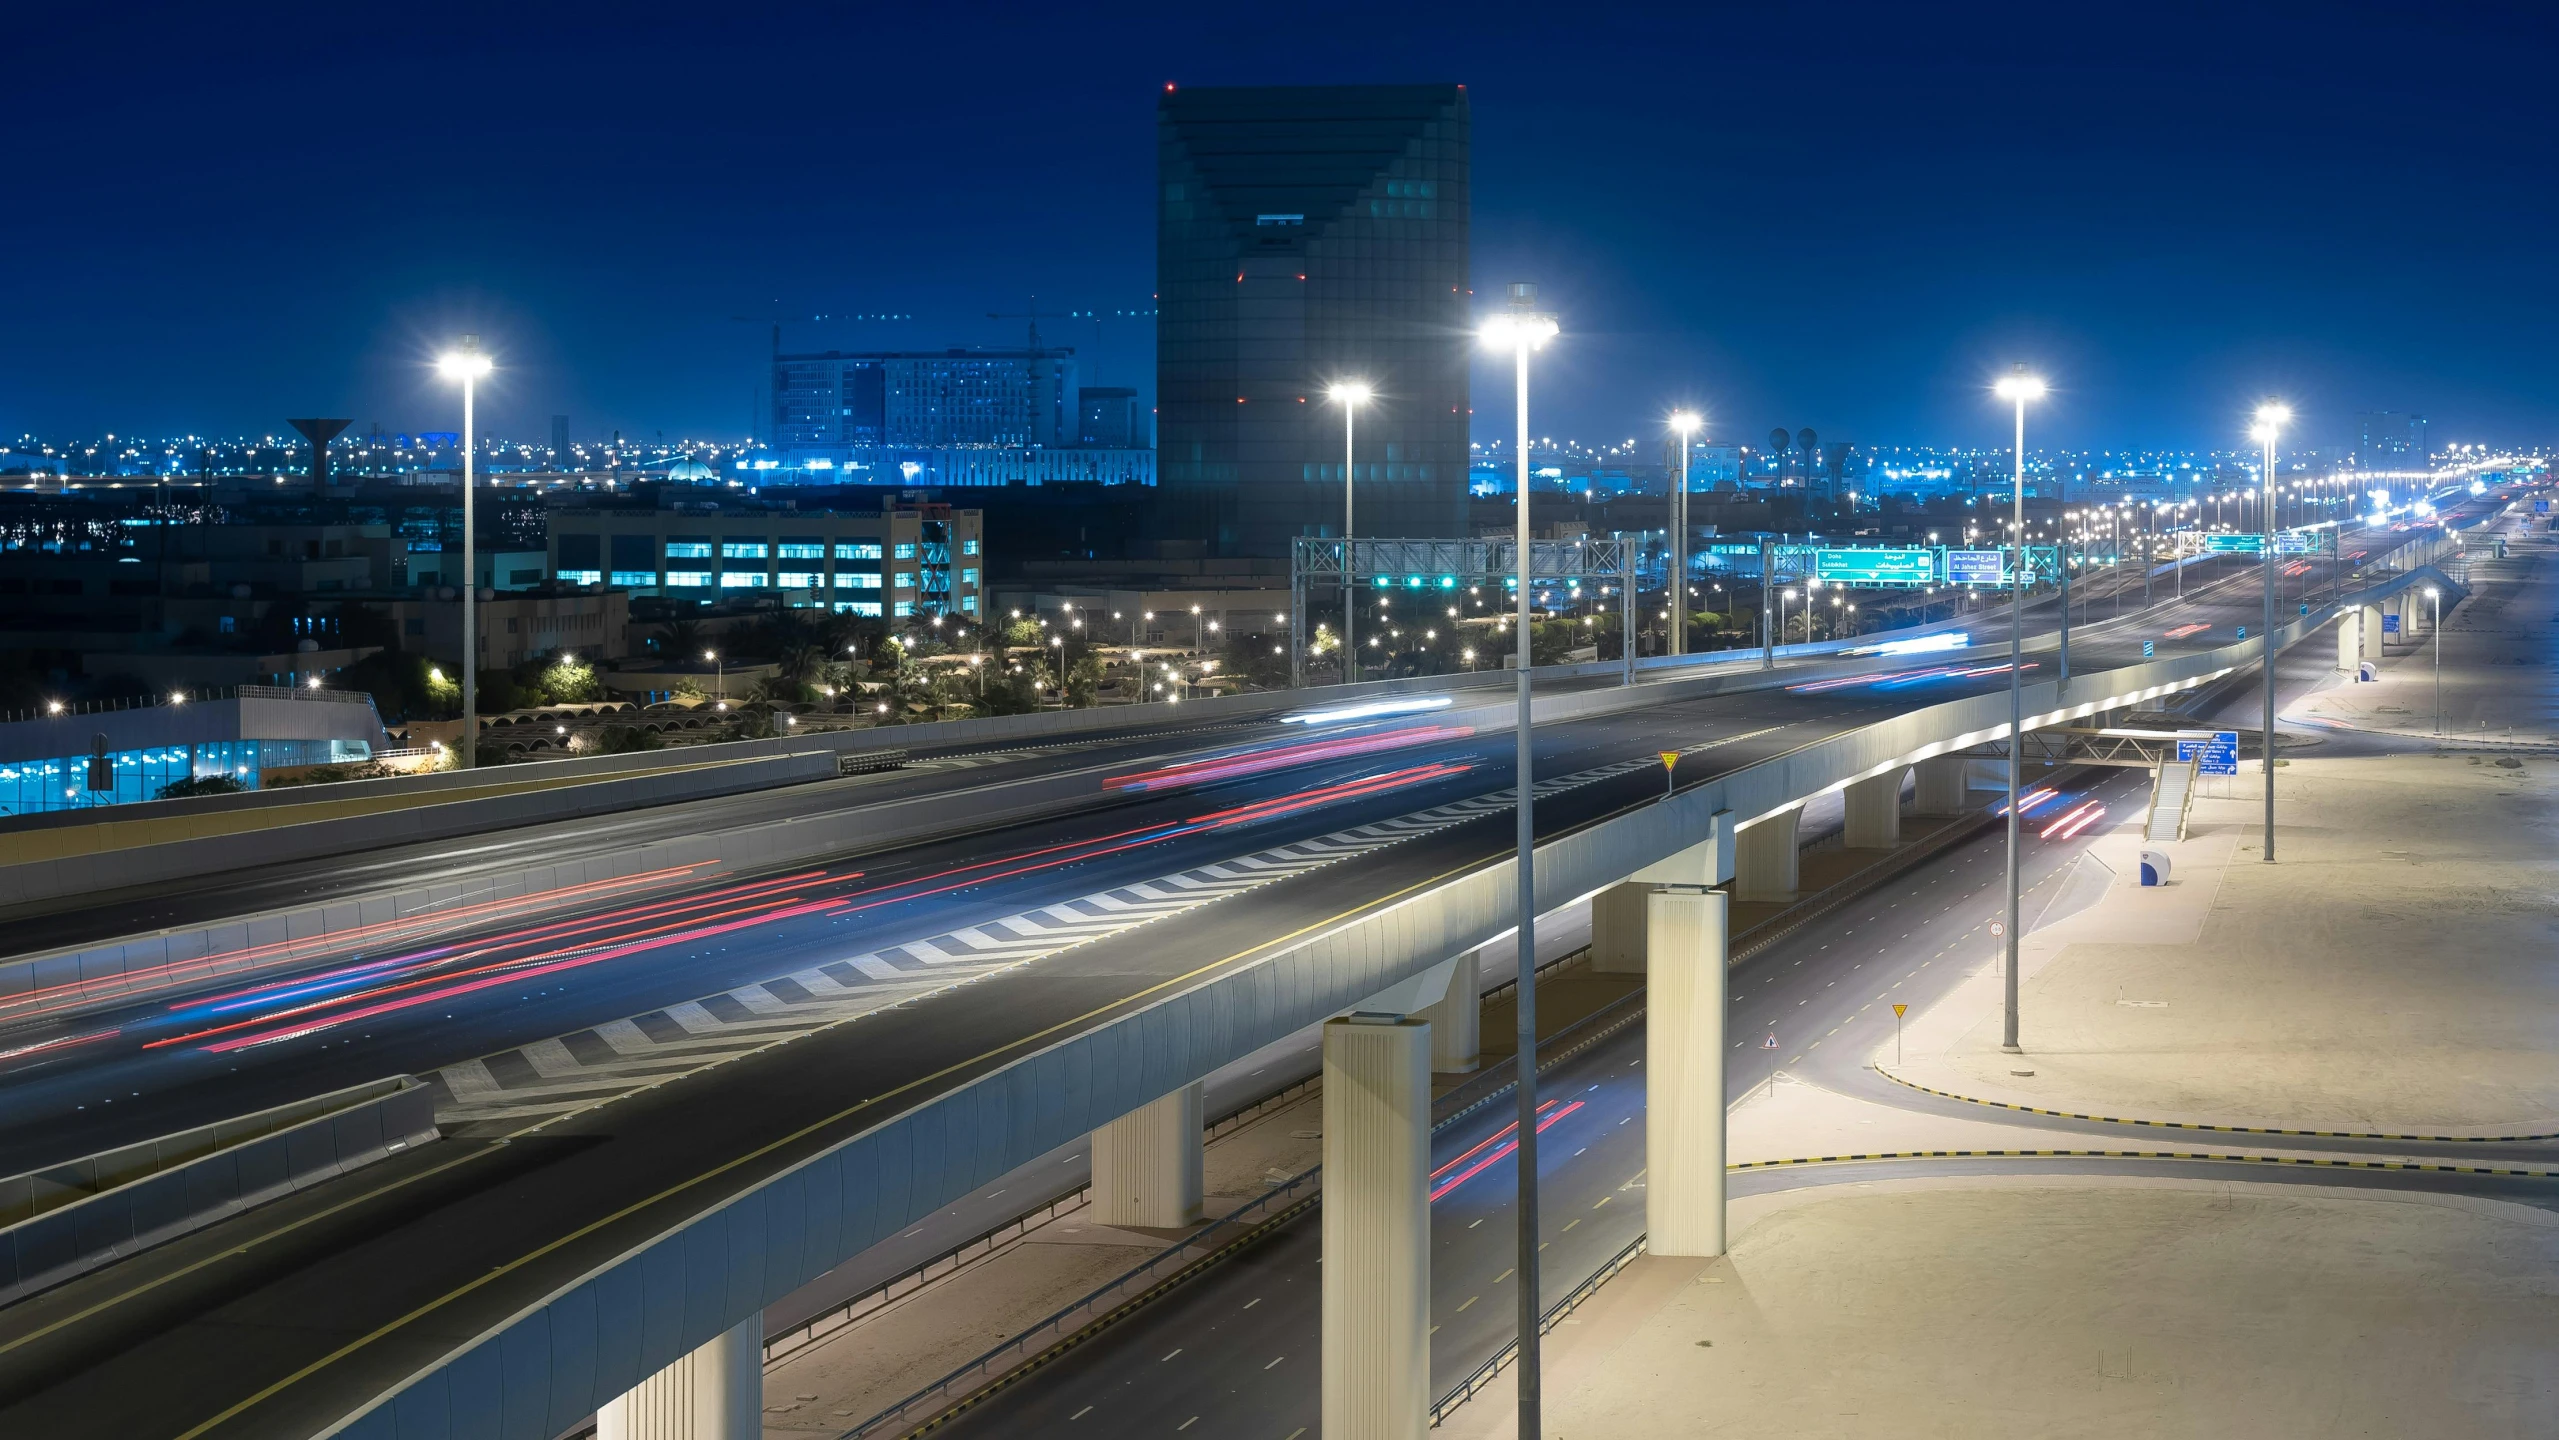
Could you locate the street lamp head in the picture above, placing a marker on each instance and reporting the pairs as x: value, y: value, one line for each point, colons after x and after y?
x: 2265, y: 432
x: 2272, y: 416
x: 464, y: 364
x: 1684, y: 421
x: 2432, y: 592
x: 1351, y: 392
x: 1504, y: 332
x: 2018, y: 385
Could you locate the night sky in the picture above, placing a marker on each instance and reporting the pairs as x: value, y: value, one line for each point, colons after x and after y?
x: 1845, y: 216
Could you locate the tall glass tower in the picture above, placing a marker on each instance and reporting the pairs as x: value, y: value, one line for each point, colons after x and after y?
x: 1307, y: 235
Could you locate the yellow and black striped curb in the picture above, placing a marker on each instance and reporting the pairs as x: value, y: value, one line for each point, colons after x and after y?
x: 2199, y: 1125
x: 2310, y: 1160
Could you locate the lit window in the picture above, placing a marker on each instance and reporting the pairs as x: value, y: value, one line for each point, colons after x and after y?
x: 730, y: 580
x: 857, y: 580
x: 676, y: 578
x: 969, y: 603
x: 801, y: 550
x: 688, y: 549
x: 858, y: 607
x: 968, y: 547
x: 635, y: 579
x: 906, y: 580
x: 857, y: 549
x: 906, y: 550
x: 800, y: 580
x: 969, y: 576
x: 905, y: 607
x: 581, y: 577
x: 743, y: 549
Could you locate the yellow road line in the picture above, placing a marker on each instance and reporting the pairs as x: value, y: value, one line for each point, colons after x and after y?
x: 2200, y: 1125
x: 591, y: 1227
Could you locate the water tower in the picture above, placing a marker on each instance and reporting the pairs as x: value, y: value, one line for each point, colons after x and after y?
x: 320, y: 433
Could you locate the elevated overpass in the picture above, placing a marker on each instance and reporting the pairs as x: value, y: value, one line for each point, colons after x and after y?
x: 523, y: 1284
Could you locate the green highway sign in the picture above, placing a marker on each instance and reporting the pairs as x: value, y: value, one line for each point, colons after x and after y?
x: 2235, y: 544
x: 1875, y: 568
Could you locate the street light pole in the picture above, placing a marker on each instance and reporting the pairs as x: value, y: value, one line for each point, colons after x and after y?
x: 2018, y: 387
x: 2434, y: 603
x: 1523, y: 330
x: 1686, y: 424
x: 1348, y: 395
x: 2270, y: 422
x: 467, y: 365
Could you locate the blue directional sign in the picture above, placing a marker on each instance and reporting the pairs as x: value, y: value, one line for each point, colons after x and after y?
x: 2389, y: 624
x: 2219, y: 755
x: 2235, y: 544
x: 2146, y: 650
x: 2298, y: 542
x: 1976, y: 567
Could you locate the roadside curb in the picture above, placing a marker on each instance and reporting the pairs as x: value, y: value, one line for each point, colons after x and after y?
x: 2202, y: 1125
x: 2309, y: 1160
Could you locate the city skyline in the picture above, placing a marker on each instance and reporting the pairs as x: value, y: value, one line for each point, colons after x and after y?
x: 1859, y: 248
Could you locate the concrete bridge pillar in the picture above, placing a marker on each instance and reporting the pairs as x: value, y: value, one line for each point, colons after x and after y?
x: 1765, y: 862
x: 1456, y: 1018
x: 1684, y: 1073
x: 714, y: 1393
x: 1874, y: 811
x: 1377, y: 1228
x: 1147, y: 1165
x: 2350, y: 643
x: 2370, y: 624
x: 1940, y: 787
x: 1617, y: 945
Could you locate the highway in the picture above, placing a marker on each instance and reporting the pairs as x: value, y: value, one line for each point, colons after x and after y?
x: 553, y: 1195
x: 1235, y: 1352
x: 469, y: 1004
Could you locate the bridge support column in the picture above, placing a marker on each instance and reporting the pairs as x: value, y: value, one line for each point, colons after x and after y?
x: 1617, y: 929
x: 1874, y: 812
x: 1684, y: 1074
x: 1147, y: 1165
x: 2370, y: 626
x: 1377, y: 1228
x: 1940, y: 788
x: 1456, y: 1018
x: 2350, y: 644
x: 1765, y: 862
x: 715, y: 1393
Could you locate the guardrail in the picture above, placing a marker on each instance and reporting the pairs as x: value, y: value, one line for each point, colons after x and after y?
x: 801, y: 1334
x: 1502, y: 1359
x: 1066, y: 1327
x: 72, y: 1218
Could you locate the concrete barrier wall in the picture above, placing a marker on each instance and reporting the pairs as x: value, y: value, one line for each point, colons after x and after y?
x: 68, y: 875
x: 109, y: 968
x: 560, y: 1359
x: 342, y: 1132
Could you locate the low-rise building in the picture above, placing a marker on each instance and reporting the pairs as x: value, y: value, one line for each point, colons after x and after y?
x: 75, y: 757
x: 906, y: 560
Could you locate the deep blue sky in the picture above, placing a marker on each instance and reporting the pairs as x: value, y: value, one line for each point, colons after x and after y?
x: 1845, y: 216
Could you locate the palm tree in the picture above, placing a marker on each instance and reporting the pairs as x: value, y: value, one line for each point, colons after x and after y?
x: 680, y: 639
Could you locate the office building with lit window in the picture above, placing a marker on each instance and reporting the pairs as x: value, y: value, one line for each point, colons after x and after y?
x: 1307, y: 235
x: 841, y: 401
x: 903, y: 561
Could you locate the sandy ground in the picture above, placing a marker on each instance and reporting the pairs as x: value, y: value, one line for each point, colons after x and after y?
x: 2047, y: 1308
x: 2393, y: 972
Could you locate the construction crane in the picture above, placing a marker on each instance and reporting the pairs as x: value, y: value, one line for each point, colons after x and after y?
x: 1035, y: 315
